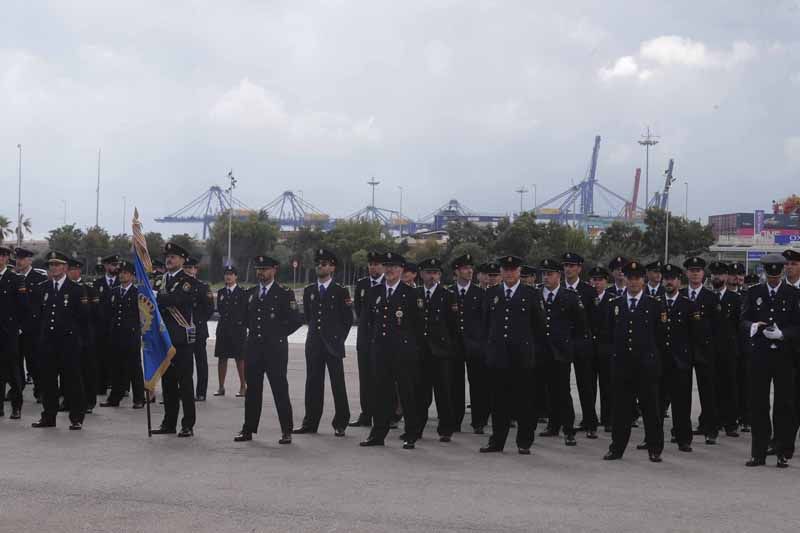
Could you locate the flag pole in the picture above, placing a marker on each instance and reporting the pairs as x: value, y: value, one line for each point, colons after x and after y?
x: 147, y: 402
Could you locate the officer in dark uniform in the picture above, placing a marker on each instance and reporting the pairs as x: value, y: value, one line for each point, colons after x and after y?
x: 176, y: 297
x: 363, y: 285
x: 512, y: 316
x: 29, y: 325
x: 440, y: 313
x: 704, y: 357
x: 682, y: 331
x: 585, y: 365
x: 203, y: 309
x: 618, y: 276
x: 493, y: 278
x: 636, y: 363
x: 602, y: 340
x: 104, y: 286
x: 410, y: 274
x: 329, y: 314
x: 468, y: 348
x: 64, y: 308
x: 771, y: 321
x: 126, y: 335
x: 88, y: 334
x: 231, y: 329
x: 726, y: 348
x: 393, y: 318
x: 564, y: 326
x: 272, y: 316
x: 792, y: 278
x: 654, y: 287
x: 736, y: 283
x: 13, y: 303
x: 528, y: 275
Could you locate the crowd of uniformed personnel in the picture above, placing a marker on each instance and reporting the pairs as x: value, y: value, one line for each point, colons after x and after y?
x: 633, y: 334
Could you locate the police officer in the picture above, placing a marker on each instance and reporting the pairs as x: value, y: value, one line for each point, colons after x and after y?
x: 64, y: 307
x: 231, y: 329
x: 615, y: 266
x: 771, y: 321
x: 88, y: 356
x: 636, y: 363
x: 13, y: 303
x: 365, y: 380
x: 329, y: 314
x: 585, y: 366
x: 392, y: 316
x: 440, y: 312
x: 654, y: 287
x: 410, y: 273
x: 201, y: 313
x: 528, y: 275
x: 704, y: 357
x: 104, y: 286
x: 602, y: 340
x: 126, y: 335
x: 493, y: 277
x: 512, y: 316
x: 792, y: 278
x: 564, y: 327
x: 176, y: 298
x: 726, y: 348
x: 29, y: 325
x: 677, y: 340
x: 272, y: 316
x: 468, y: 348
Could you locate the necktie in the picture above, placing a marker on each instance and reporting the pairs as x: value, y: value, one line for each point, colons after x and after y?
x: 230, y: 292
x: 633, y: 304
x: 263, y: 291
x: 550, y: 298
x: 693, y: 295
x: 653, y: 292
x: 428, y: 295
x: 373, y: 282
x: 669, y: 304
x: 322, y: 291
x: 389, y: 293
x: 463, y: 292
x: 772, y: 293
x: 55, y: 286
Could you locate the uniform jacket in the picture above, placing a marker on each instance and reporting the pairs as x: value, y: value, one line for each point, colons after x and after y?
x: 511, y: 326
x: 660, y: 291
x: 13, y: 303
x: 179, y: 293
x: 232, y: 309
x: 394, y: 325
x: 707, y: 307
x: 586, y: 294
x: 599, y: 324
x: 62, y: 313
x: 681, y: 333
x: 91, y: 318
x: 271, y: 319
x: 30, y: 318
x: 125, y: 328
x: 783, y: 310
x: 329, y: 318
x: 104, y: 291
x: 439, y: 321
x: 564, y: 325
x: 360, y: 300
x: 636, y: 336
x: 203, y: 308
x: 469, y: 338
x: 725, y: 324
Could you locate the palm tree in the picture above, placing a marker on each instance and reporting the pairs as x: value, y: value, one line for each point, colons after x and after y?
x: 5, y: 228
x: 24, y: 227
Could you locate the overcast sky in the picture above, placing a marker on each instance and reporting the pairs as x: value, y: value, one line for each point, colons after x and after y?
x: 448, y: 99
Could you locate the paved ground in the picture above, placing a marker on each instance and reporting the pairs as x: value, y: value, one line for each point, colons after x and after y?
x: 111, y: 477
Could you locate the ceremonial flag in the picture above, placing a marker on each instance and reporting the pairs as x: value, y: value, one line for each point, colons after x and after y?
x: 156, y: 345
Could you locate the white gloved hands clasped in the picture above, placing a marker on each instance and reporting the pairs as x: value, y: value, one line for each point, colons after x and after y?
x: 774, y: 334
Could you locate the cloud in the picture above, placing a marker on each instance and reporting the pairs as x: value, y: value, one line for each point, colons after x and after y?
x: 672, y: 51
x: 249, y: 105
x: 791, y: 148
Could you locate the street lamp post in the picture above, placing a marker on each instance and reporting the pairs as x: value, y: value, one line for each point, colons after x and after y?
x: 686, y: 201
x: 535, y: 200
x: 230, y: 211
x: 64, y: 202
x: 124, y: 212
x: 19, y: 199
x: 401, y: 209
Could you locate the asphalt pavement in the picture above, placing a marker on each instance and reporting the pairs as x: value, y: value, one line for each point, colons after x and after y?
x: 112, y: 477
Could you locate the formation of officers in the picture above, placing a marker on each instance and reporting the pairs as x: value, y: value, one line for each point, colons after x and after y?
x: 633, y: 334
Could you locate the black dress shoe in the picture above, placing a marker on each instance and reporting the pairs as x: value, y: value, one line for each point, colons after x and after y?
x: 409, y: 445
x: 685, y: 447
x: 754, y: 461
x: 698, y: 431
x: 445, y: 438
x: 402, y: 436
x: 393, y: 424
x: 76, y: 426
x: 641, y: 446
x: 731, y: 433
x: 711, y: 441
x: 243, y: 436
x: 16, y: 414
x: 109, y: 404
x: 138, y: 405
x: 303, y: 430
x: 524, y: 451
x: 591, y: 434
x: 44, y: 424
x: 745, y: 428
x: 220, y: 392
x: 370, y: 442
x: 163, y: 431
x: 612, y: 456
x: 569, y: 440
x: 339, y: 432
x: 549, y: 433
x: 783, y: 462
x: 655, y: 457
x: 200, y: 398
x: 491, y: 448
x: 478, y: 430
x: 770, y: 450
x: 186, y: 432
x: 361, y: 421
x: 286, y: 438
x: 89, y: 410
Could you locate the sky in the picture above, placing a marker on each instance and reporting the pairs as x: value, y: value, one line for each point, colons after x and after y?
x: 447, y: 99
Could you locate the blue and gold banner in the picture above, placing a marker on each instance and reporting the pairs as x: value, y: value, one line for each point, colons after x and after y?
x: 157, y: 348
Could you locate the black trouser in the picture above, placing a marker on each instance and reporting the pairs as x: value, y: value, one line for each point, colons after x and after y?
x: 586, y: 379
x: 479, y: 398
x: 626, y: 387
x: 89, y: 372
x: 707, y: 389
x: 727, y: 390
x: 27, y: 359
x: 513, y: 396
x: 104, y: 358
x: 603, y: 368
x: 365, y: 384
x: 11, y: 373
x: 61, y: 356
x: 317, y: 358
x: 127, y: 372
x: 790, y: 446
x: 743, y: 376
x: 435, y: 380
x: 261, y: 360
x: 390, y: 368
x: 562, y: 413
x: 774, y: 368
x: 201, y: 364
x: 178, y: 387
x: 678, y: 384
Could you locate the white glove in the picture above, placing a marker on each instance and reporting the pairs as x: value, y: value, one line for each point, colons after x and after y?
x: 774, y: 334
x: 753, y: 329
